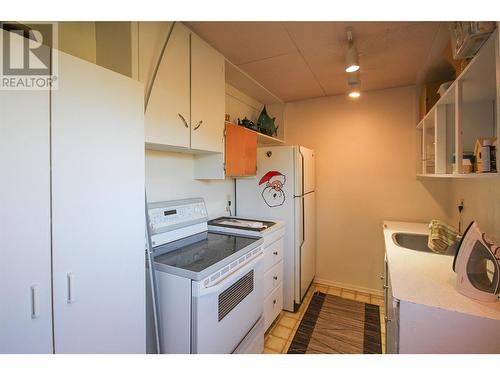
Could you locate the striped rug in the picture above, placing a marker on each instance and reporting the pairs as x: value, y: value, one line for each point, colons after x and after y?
x: 337, y: 325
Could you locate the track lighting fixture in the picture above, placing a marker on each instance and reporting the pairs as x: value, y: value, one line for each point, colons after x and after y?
x: 354, y: 84
x: 351, y: 57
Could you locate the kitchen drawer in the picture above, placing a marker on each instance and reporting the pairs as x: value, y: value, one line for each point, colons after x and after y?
x: 273, y: 305
x: 273, y: 254
x: 273, y: 278
x: 275, y: 235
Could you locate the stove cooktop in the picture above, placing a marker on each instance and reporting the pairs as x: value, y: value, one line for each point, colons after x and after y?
x: 241, y: 223
x: 199, y: 255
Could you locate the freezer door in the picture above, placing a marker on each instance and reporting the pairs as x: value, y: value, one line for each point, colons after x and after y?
x: 308, y: 169
x: 308, y: 246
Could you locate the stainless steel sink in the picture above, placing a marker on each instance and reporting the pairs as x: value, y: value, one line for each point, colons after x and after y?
x: 418, y: 242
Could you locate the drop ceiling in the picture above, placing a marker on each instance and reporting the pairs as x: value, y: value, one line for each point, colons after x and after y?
x: 302, y: 60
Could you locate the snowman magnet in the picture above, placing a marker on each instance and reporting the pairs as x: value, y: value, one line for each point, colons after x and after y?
x: 273, y: 193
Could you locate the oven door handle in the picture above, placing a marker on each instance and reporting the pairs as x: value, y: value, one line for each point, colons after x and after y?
x: 228, y: 279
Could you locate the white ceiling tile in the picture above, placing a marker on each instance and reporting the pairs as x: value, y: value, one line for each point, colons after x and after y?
x: 287, y: 76
x: 299, y: 60
x: 310, y: 34
x: 243, y: 42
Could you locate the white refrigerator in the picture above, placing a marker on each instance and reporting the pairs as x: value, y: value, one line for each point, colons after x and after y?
x: 284, y: 189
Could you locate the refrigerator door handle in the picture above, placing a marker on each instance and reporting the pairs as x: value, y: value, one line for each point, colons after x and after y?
x: 303, y: 224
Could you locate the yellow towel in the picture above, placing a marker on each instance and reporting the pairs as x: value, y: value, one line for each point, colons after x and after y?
x: 441, y: 236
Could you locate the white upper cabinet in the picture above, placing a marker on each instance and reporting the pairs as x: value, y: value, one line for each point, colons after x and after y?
x: 186, y: 105
x: 167, y: 117
x: 207, y: 97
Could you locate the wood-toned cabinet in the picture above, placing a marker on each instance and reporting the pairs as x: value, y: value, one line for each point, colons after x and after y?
x: 241, y: 151
x: 185, y: 111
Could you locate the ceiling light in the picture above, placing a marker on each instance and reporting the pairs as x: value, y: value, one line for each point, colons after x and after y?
x: 351, y: 60
x: 351, y: 57
x: 354, y: 85
x: 354, y: 94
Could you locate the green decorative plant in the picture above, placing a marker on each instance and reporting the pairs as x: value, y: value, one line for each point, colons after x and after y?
x: 266, y: 123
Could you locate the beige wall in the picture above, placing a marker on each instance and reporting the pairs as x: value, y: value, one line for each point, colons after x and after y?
x: 365, y: 173
x: 78, y: 39
x: 114, y: 46
x: 169, y: 175
x: 108, y: 44
x: 481, y: 203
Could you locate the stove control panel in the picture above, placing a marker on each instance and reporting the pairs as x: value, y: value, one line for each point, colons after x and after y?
x: 169, y: 215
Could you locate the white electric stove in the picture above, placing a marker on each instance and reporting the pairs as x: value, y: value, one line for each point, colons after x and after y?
x: 272, y: 232
x: 209, y: 285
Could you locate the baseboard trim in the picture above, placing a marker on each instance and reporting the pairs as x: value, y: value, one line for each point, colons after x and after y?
x: 357, y: 288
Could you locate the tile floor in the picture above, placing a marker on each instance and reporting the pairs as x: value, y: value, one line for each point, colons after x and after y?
x: 280, y: 334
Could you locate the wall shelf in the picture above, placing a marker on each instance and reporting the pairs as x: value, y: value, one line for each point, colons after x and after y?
x: 264, y: 140
x: 252, y: 96
x: 468, y: 110
x: 241, y: 80
x: 461, y: 175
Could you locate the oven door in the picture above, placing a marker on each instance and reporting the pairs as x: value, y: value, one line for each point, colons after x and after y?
x: 223, y: 313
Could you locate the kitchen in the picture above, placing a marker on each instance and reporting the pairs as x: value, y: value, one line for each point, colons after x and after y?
x: 335, y: 173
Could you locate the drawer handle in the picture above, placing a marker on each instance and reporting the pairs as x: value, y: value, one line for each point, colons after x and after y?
x: 387, y: 319
x: 197, y: 126
x: 183, y: 120
x: 382, y: 277
x: 71, y: 294
x: 35, y: 301
x: 275, y: 252
x: 275, y: 277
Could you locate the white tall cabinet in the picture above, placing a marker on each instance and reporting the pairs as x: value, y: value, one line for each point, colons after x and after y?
x: 25, y: 253
x: 97, y: 210
x: 72, y: 275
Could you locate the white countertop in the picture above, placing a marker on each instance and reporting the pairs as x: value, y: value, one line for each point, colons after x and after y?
x: 428, y: 278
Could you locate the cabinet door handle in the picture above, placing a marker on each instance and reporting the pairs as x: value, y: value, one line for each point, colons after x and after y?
x: 386, y: 286
x: 275, y: 277
x: 387, y: 319
x: 274, y: 302
x: 35, y: 301
x: 275, y: 252
x: 183, y: 120
x: 382, y: 277
x: 197, y: 126
x: 71, y: 292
